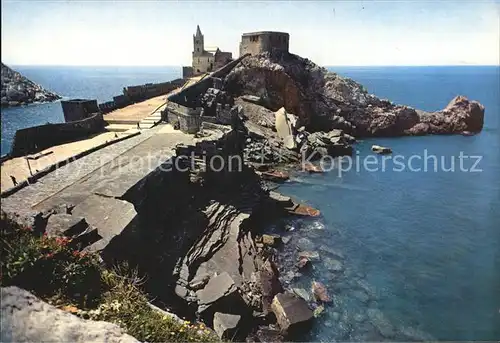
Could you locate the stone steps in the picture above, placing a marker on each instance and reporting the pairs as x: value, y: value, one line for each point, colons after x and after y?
x: 122, y: 120
x: 120, y: 127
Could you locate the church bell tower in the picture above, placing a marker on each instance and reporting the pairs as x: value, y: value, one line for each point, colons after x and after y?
x: 198, y: 42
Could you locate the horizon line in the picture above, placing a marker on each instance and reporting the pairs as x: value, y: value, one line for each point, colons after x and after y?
x: 180, y: 66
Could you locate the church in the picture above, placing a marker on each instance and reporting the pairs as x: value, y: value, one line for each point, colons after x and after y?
x: 205, y: 59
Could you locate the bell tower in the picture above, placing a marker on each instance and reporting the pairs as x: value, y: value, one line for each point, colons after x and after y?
x: 198, y: 42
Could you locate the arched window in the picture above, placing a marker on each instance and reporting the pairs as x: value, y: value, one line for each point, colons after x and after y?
x: 198, y: 49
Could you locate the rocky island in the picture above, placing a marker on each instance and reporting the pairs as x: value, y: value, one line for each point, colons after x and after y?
x: 17, y: 90
x: 199, y: 234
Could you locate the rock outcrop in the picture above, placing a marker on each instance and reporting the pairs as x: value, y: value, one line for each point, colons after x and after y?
x: 18, y: 90
x: 323, y: 100
x: 25, y: 318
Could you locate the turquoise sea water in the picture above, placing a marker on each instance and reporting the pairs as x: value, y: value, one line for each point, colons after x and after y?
x: 423, y: 247
x: 101, y: 83
x: 419, y: 250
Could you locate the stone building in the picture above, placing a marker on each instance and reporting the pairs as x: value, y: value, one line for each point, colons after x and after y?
x: 206, y: 60
x: 255, y: 43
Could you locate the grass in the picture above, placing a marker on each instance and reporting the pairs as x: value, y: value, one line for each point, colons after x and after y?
x: 76, y: 282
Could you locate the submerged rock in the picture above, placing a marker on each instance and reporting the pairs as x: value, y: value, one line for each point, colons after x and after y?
x: 309, y: 255
x: 305, y: 244
x: 380, y: 322
x: 301, y: 292
x: 333, y: 265
x: 320, y: 292
x: 381, y: 149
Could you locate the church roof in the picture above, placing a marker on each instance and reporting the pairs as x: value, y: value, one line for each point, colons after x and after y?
x: 198, y: 31
x: 212, y: 48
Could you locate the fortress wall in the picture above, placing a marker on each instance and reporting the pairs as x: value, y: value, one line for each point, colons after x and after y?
x: 33, y: 139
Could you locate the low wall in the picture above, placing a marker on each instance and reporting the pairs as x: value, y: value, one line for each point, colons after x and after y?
x: 37, y: 138
x: 133, y: 94
x: 188, y: 123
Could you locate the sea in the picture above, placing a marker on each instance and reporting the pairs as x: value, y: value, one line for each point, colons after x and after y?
x: 407, y: 251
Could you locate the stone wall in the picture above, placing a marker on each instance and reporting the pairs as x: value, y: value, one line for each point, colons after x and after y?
x: 258, y: 42
x: 37, y: 138
x: 203, y: 64
x: 189, y: 120
x: 78, y: 109
x: 187, y: 72
x: 133, y: 94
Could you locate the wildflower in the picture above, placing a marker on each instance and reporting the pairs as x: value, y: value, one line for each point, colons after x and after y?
x: 28, y: 228
x: 49, y: 255
x: 76, y: 253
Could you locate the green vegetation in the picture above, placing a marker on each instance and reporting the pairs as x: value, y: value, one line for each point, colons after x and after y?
x: 77, y: 282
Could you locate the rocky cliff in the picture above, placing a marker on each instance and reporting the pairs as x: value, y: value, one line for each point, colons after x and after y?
x: 18, y: 90
x: 323, y: 100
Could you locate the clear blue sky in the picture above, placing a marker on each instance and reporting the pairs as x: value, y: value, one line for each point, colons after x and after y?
x: 328, y: 32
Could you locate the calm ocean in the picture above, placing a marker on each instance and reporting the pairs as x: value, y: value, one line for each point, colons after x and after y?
x: 421, y: 250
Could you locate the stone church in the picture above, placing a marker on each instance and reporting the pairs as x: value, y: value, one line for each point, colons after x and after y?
x: 205, y: 59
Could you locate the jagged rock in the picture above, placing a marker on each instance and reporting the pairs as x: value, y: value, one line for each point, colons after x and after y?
x: 268, y: 335
x: 284, y: 128
x: 226, y: 325
x: 285, y: 239
x: 323, y: 100
x: 65, y: 225
x: 301, y: 292
x: 25, y: 318
x: 320, y: 292
x: 18, y: 90
x: 381, y: 149
x: 303, y: 263
x: 292, y: 312
x: 220, y: 289
x: 271, y: 240
x: 270, y: 284
x: 309, y: 255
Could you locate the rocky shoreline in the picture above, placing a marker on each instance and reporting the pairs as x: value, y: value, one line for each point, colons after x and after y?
x: 207, y: 253
x: 17, y: 90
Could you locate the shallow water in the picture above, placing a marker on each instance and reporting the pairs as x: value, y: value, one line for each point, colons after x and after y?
x: 420, y: 250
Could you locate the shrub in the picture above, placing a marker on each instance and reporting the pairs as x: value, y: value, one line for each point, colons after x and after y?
x: 125, y: 305
x: 47, y: 266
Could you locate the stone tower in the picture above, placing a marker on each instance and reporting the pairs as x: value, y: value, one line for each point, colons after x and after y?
x: 198, y: 42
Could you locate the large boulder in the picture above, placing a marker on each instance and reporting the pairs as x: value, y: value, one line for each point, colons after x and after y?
x: 270, y: 284
x: 292, y: 312
x: 25, y: 318
x: 220, y: 295
x: 323, y: 100
x: 226, y: 325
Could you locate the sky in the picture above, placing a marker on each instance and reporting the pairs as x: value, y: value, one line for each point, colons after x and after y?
x: 330, y: 33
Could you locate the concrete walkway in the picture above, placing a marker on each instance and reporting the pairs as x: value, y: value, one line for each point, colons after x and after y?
x: 95, y: 183
x: 18, y: 167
